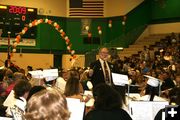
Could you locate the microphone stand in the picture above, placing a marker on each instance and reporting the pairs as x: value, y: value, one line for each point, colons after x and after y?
x: 7, y: 62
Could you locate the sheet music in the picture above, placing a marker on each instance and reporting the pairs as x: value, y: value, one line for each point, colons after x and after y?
x: 76, y: 108
x: 36, y: 74
x: 48, y: 74
x: 5, y: 118
x: 2, y: 67
x: 10, y: 100
x: 135, y: 96
x: 157, y: 107
x: 147, y: 98
x: 119, y: 79
x: 91, y: 101
x: 141, y: 110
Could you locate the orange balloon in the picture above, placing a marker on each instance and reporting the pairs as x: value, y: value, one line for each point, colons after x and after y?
x: 11, y: 54
x: 25, y: 29
x: 41, y: 20
x: 17, y: 40
x: 33, y: 23
x: 57, y: 27
x: 63, y: 33
x: 18, y: 37
x: 67, y: 41
x: 49, y: 21
x: 74, y: 56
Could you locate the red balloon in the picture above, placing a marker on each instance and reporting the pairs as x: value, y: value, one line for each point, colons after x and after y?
x: 99, y: 28
x: 124, y: 18
x: 110, y: 21
x: 89, y: 34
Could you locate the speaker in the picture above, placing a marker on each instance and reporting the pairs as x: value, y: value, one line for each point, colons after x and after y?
x: 91, y: 40
x: 96, y: 40
x: 87, y: 40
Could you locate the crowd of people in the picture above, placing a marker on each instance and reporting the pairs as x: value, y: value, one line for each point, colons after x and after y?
x: 37, y: 99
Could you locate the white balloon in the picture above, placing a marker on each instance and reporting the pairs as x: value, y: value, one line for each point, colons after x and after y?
x: 66, y: 38
x: 110, y: 25
x: 46, y: 20
x: 23, y: 31
x: 61, y: 30
x: 100, y: 32
x: 68, y: 48
x: 30, y: 24
x: 72, y: 52
x: 39, y: 21
x: 55, y: 24
x: 14, y: 50
x: 87, y: 27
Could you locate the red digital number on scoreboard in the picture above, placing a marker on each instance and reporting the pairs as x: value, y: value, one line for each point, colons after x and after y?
x: 17, y: 10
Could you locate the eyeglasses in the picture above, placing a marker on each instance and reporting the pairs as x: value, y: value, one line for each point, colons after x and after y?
x: 104, y: 52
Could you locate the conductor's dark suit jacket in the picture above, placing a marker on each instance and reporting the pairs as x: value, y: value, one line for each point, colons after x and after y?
x: 98, y: 75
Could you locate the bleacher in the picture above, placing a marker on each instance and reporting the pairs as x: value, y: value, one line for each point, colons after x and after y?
x: 150, y: 41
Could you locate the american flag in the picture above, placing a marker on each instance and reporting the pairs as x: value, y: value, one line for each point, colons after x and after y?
x: 86, y: 8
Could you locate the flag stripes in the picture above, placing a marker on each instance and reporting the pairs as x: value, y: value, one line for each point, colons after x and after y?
x: 89, y: 8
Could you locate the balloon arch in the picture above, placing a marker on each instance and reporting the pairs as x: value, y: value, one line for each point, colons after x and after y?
x: 37, y: 22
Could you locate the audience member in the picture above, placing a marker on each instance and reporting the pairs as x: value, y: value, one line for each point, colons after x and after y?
x: 177, y: 80
x: 167, y: 82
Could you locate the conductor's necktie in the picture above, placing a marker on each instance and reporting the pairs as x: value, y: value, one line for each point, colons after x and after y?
x: 107, y: 78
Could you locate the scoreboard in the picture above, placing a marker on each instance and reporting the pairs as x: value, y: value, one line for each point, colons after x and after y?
x: 14, y: 18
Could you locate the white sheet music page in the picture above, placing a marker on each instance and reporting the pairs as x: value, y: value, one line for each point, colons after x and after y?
x: 157, y: 106
x: 10, y: 100
x: 5, y: 118
x: 36, y: 73
x: 145, y: 110
x: 140, y: 110
x: 91, y: 101
x: 76, y: 108
x: 120, y: 79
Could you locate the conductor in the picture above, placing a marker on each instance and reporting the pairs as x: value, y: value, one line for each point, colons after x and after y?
x: 102, y: 69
